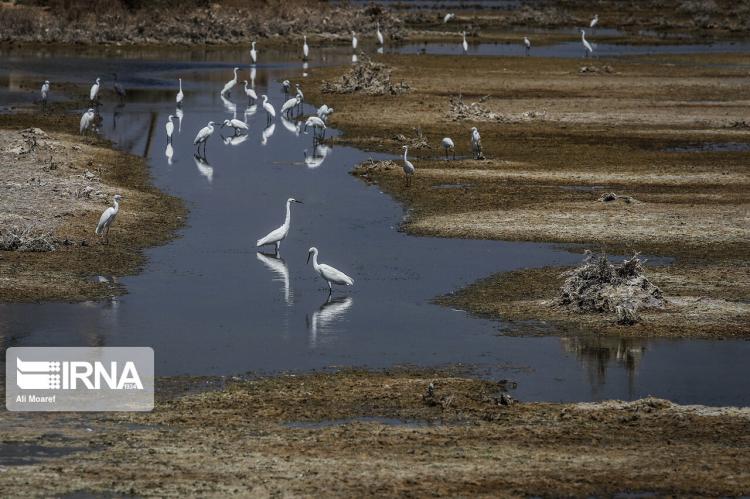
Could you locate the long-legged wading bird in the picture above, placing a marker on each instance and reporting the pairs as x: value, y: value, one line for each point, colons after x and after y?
x: 305, y: 48
x: 328, y: 273
x: 45, y: 93
x: 354, y: 41
x: 299, y: 93
x: 270, y: 111
x: 119, y: 89
x: 379, y: 35
x: 448, y: 145
x: 290, y: 104
x: 237, y: 125
x: 203, y: 135
x: 318, y: 126
x: 408, y: 167
x: 108, y: 218
x: 587, y: 48
x: 276, y: 236
x: 87, y: 120
x: 464, y: 43
x: 180, y: 95
x: 230, y: 84
x: 476, y: 143
x: 527, y: 44
x: 251, y: 95
x: 94, y: 92
x: 594, y: 21
x: 253, y: 54
x: 169, y: 127
x: 324, y: 112
x: 285, y: 86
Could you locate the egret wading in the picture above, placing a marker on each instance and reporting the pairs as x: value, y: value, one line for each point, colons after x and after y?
x: 408, y: 167
x: 276, y: 236
x: 594, y: 21
x: 465, y: 44
x: 379, y: 35
x: 203, y: 135
x: 270, y: 111
x: 300, y: 94
x: 251, y: 95
x: 289, y: 105
x: 324, y: 112
x: 354, y: 41
x: 329, y: 274
x: 87, y: 120
x: 237, y: 125
x: 305, y: 48
x: 587, y: 48
x: 108, y: 218
x: 45, y: 93
x: 94, y: 92
x: 285, y: 86
x: 170, y: 128
x: 230, y: 84
x: 253, y: 55
x: 448, y: 145
x: 527, y: 44
x: 180, y: 95
x: 119, y: 89
x: 476, y: 143
x: 318, y: 126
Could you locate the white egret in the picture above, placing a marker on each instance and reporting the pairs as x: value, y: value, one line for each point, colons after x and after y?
x: 291, y: 127
x: 204, y: 168
x: 253, y: 54
x: 328, y: 273
x: 45, y: 93
x: 448, y: 17
x: 527, y: 44
x: 379, y: 34
x: 290, y: 104
x: 180, y: 95
x: 324, y: 112
x: 448, y: 145
x: 588, y: 49
x: 277, y: 265
x: 464, y: 44
x: 354, y: 41
x: 594, y: 21
x: 476, y: 143
x: 285, y: 85
x: 87, y: 120
x: 119, y: 89
x: 267, y: 133
x: 169, y: 127
x: 203, y: 136
x: 251, y: 95
x: 237, y: 125
x: 317, y: 125
x: 408, y: 167
x: 169, y: 153
x: 299, y: 92
x: 230, y: 84
x: 276, y: 236
x: 108, y: 218
x: 179, y: 114
x: 270, y: 111
x: 94, y: 92
x: 305, y: 49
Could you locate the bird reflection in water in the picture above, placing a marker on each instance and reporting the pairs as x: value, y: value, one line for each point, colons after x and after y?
x: 234, y: 140
x: 179, y: 114
x: 204, y: 168
x: 320, y: 152
x: 267, y: 133
x: 322, y: 320
x: 277, y: 265
x: 169, y: 153
x: 292, y: 127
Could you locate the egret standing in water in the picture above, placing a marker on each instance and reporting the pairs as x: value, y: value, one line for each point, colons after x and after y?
x: 316, y: 124
x: 588, y: 49
x: 270, y: 111
x: 527, y: 44
x: 237, y: 125
x: 379, y: 35
x: 180, y: 95
x: 203, y: 135
x: 276, y: 236
x: 408, y: 167
x: 251, y: 95
x: 170, y: 127
x: 230, y: 84
x: 305, y: 48
x: 94, y: 92
x: 299, y: 93
x: 448, y: 145
x: 354, y: 40
x: 87, y: 120
x: 119, y: 89
x: 476, y: 143
x: 465, y: 44
x: 329, y: 274
x: 290, y: 104
x: 45, y: 93
x: 253, y: 54
x: 324, y: 112
x: 107, y: 219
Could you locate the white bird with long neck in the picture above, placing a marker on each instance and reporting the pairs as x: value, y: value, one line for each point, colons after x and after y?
x: 465, y: 44
x: 237, y: 125
x: 203, y: 136
x: 329, y: 274
x: 178, y: 98
x: 379, y: 35
x: 94, y: 92
x: 270, y: 111
x: 317, y: 125
x: 324, y: 112
x: 476, y: 143
x: 230, y: 84
x: 408, y: 167
x: 305, y: 48
x: 594, y: 21
x: 299, y: 92
x: 354, y: 41
x: 588, y: 49
x: 169, y: 127
x: 87, y: 119
x: 448, y: 17
x: 253, y: 54
x: 276, y: 236
x: 290, y: 105
x: 45, y: 92
x: 448, y: 145
x: 251, y: 95
x: 108, y: 218
x: 527, y: 44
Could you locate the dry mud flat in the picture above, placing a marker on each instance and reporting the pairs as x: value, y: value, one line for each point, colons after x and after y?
x: 666, y: 134
x: 55, y: 185
x: 365, y: 434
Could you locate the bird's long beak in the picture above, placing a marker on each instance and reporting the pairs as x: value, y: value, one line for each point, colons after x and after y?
x: 300, y: 202
x: 308, y: 257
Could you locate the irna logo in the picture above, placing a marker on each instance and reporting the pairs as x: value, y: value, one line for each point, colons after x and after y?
x: 56, y: 375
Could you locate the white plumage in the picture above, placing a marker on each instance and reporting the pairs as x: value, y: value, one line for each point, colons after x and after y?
x: 276, y: 236
x: 253, y: 54
x: 45, y: 91
x: 354, y: 41
x: 237, y: 125
x: 87, y: 119
x: 270, y: 111
x: 180, y: 95
x: 586, y: 45
x: 169, y: 127
x: 290, y: 104
x: 230, y: 84
x: 267, y: 133
x: 203, y: 135
x: 94, y: 92
x: 316, y: 123
x: 476, y: 143
x: 108, y: 218
x: 448, y: 145
x: 328, y: 273
x: 324, y: 112
x: 250, y: 92
x: 465, y: 44
x: 379, y: 35
x: 408, y: 167
x: 527, y: 44
x: 305, y: 48
x: 594, y: 21
x: 448, y: 17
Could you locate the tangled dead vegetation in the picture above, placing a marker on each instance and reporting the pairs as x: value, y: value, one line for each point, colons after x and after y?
x: 606, y: 69
x: 611, y: 196
x: 367, y: 77
x: 600, y: 286
x: 476, y: 111
x: 419, y: 141
x: 26, y: 238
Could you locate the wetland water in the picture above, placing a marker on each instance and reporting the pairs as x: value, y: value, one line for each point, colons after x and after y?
x: 209, y: 304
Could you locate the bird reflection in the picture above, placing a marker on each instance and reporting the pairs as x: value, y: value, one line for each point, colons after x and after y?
x: 203, y: 167
x: 277, y: 265
x: 355, y: 59
x: 234, y: 140
x: 250, y: 110
x: 380, y: 50
x: 291, y: 127
x: 169, y: 153
x: 252, y: 77
x: 318, y: 156
x: 179, y: 114
x: 230, y: 106
x: 322, y: 320
x: 305, y: 67
x: 116, y: 114
x: 267, y: 133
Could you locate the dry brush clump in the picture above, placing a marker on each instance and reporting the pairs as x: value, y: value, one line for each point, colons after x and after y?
x: 26, y: 237
x: 599, y: 286
x: 367, y: 77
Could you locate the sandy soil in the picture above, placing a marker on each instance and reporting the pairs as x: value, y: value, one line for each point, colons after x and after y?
x: 366, y: 434
x: 55, y: 186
